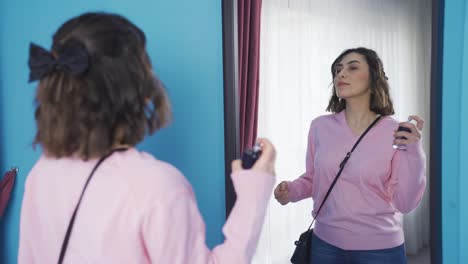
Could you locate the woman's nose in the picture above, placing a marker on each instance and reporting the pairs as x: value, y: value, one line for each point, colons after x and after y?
x: 342, y: 74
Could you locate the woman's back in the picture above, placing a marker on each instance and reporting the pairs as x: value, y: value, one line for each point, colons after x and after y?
x: 136, y: 209
x: 97, y: 93
x: 110, y: 225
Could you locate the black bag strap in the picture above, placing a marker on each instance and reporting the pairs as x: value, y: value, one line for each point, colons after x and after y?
x: 342, y: 164
x: 72, y: 220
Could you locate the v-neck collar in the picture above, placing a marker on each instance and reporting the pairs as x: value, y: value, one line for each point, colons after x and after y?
x: 342, y: 118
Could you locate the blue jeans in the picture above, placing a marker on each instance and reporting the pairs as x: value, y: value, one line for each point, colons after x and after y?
x: 324, y: 253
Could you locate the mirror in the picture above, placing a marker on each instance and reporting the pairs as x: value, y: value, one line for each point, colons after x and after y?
x: 299, y: 41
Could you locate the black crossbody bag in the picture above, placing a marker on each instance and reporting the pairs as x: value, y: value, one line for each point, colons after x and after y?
x: 302, y: 252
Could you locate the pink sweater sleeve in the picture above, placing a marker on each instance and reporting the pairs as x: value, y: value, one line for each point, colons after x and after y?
x: 174, y: 232
x: 301, y: 188
x: 408, y: 180
x: 25, y: 252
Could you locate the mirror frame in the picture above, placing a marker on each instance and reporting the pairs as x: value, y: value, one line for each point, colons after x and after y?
x: 231, y: 115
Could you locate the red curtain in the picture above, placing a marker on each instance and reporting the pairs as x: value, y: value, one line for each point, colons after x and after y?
x: 249, y: 12
x: 6, y: 187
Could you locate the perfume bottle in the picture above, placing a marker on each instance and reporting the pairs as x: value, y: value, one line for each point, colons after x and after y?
x: 250, y: 156
x: 402, y: 128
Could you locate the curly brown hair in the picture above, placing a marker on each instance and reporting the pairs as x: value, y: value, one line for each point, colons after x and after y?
x: 115, y: 102
x: 380, y: 100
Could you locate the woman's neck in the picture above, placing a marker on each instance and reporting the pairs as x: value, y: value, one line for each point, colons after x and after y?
x: 358, y: 114
x: 120, y: 146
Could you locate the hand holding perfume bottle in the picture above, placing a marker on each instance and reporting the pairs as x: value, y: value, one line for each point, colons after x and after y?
x: 408, y: 132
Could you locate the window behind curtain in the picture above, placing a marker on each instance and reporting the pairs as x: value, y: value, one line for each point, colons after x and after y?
x: 299, y: 41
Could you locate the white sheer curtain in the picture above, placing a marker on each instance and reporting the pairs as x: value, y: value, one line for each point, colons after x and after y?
x: 299, y: 41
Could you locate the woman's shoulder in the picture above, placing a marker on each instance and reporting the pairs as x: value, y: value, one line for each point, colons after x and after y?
x: 154, y: 182
x: 334, y: 120
x: 389, y: 122
x: 325, y: 119
x: 147, y: 170
x: 137, y: 166
x: 138, y: 173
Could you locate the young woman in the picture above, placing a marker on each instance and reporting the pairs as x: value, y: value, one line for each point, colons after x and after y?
x: 360, y: 221
x: 97, y: 98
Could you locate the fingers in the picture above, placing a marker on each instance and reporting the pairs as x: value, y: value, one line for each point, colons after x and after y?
x: 266, y: 161
x: 411, y: 126
x: 405, y: 137
x: 419, y: 121
x: 281, y: 193
x: 268, y: 150
x: 277, y: 192
x: 413, y: 135
x: 401, y: 141
x: 283, y: 186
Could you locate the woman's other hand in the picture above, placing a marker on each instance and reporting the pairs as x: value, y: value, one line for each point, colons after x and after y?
x: 281, y: 193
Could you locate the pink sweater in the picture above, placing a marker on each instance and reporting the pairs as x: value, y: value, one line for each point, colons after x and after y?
x: 136, y: 210
x: 363, y: 211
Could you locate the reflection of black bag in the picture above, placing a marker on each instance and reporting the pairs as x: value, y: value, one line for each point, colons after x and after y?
x: 303, y: 249
x: 301, y: 254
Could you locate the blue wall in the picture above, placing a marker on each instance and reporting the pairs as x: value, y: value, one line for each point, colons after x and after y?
x: 185, y: 44
x: 455, y: 133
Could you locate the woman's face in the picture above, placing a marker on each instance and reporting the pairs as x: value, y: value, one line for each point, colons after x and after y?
x: 352, y: 76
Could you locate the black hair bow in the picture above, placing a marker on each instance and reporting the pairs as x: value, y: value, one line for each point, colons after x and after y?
x: 71, y: 57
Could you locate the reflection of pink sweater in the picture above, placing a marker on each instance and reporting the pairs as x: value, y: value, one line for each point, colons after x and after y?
x: 136, y: 210
x: 378, y: 182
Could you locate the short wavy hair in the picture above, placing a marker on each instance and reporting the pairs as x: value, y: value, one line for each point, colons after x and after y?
x: 380, y: 100
x: 116, y: 102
